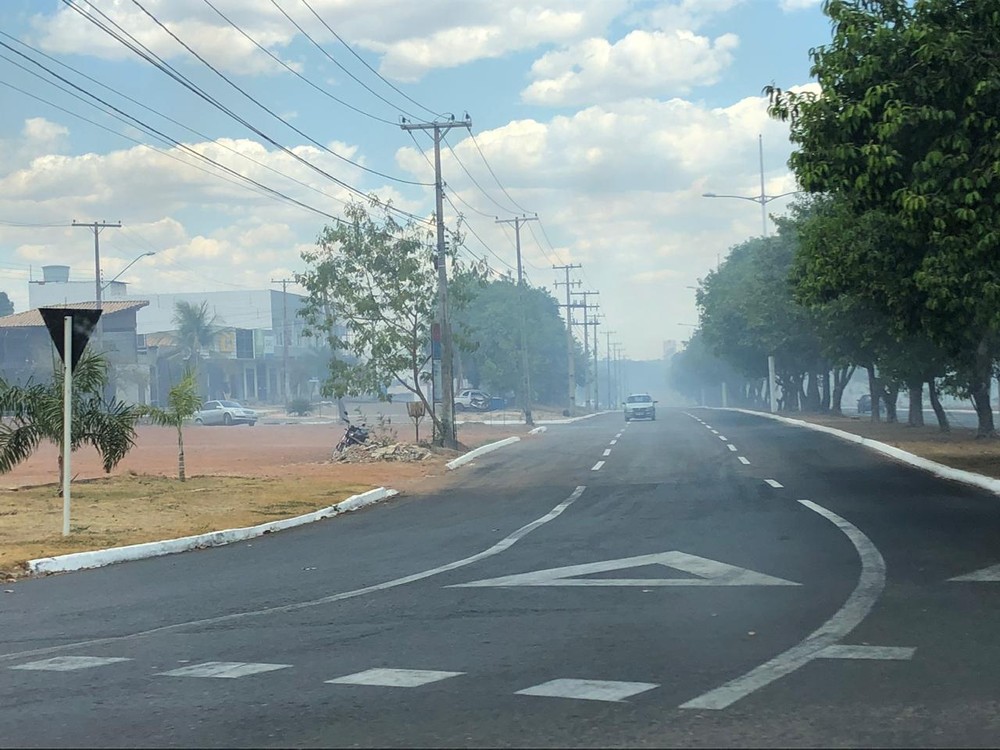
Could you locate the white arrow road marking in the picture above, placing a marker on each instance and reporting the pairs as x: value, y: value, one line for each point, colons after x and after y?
x: 991, y: 573
x: 709, y: 572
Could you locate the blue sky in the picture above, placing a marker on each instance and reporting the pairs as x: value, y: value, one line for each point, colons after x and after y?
x: 609, y: 118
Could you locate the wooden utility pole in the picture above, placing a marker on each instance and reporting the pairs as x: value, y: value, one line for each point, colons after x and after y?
x: 595, y: 321
x: 284, y: 332
x: 571, y: 365
x: 611, y: 401
x: 586, y: 341
x: 525, y: 370
x: 448, y: 436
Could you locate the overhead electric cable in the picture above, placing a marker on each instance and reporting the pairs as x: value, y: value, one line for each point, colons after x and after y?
x: 294, y: 72
x: 495, y: 178
x: 475, y: 182
x: 365, y: 63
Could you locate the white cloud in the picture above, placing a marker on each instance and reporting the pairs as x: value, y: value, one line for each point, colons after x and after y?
x: 643, y: 63
x: 793, y: 5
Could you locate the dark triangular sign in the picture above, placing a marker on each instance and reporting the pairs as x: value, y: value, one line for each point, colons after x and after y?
x: 83, y: 325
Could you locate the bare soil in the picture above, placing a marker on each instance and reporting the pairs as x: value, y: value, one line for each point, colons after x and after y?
x: 237, y: 476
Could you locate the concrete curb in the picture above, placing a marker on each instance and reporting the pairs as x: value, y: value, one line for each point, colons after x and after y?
x: 475, y: 452
x: 537, y: 430
x: 945, y: 472
x: 101, y: 557
x: 568, y: 420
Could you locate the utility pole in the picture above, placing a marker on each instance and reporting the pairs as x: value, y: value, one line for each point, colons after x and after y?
x: 611, y: 401
x: 569, y: 332
x: 619, y: 389
x: 284, y: 332
x: 448, y: 437
x: 597, y: 347
x: 97, y: 227
x: 525, y: 370
x: 586, y: 341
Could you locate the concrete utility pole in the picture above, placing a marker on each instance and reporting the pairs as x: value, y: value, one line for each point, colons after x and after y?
x: 97, y: 227
x: 620, y: 390
x: 284, y: 332
x: 595, y: 321
x: 525, y: 370
x: 611, y: 401
x: 448, y: 437
x: 569, y: 332
x: 586, y: 342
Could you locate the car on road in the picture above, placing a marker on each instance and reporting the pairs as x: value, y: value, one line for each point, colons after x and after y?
x: 640, y: 406
x: 470, y: 398
x: 224, y: 412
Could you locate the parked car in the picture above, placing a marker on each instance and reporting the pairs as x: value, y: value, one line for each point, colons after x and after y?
x: 865, y: 405
x: 638, y: 406
x: 470, y: 398
x: 224, y: 412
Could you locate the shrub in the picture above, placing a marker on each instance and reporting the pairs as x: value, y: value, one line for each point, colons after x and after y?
x: 299, y: 407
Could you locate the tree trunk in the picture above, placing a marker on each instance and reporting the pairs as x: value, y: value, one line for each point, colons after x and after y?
x: 812, y: 399
x: 890, y: 395
x: 939, y: 412
x: 180, y: 455
x: 841, y: 377
x: 874, y: 390
x: 827, y: 396
x: 981, y: 391
x: 916, y: 416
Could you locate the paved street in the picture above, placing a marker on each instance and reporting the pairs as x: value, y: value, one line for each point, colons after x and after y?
x: 710, y: 578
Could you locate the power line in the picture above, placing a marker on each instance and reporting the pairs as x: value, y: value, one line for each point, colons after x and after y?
x: 495, y: 178
x: 267, y: 109
x: 337, y: 62
x: 142, y: 51
x: 365, y: 63
x: 293, y: 71
x: 474, y: 181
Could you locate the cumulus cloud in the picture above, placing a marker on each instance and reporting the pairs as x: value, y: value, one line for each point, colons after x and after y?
x: 643, y: 63
x: 793, y: 5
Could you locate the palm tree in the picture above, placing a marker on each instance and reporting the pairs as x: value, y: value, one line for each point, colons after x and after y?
x: 182, y: 403
x: 35, y: 413
x: 196, y: 329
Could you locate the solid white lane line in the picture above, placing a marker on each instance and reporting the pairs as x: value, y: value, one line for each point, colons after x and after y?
x: 607, y: 452
x: 69, y: 663
x: 227, y: 669
x: 504, y: 544
x: 855, y: 609
x: 588, y: 690
x: 891, y: 653
x: 404, y: 678
x: 597, y: 466
x: 777, y: 485
x: 731, y: 447
x: 743, y: 460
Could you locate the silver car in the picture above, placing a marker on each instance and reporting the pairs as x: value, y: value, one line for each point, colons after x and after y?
x: 224, y: 412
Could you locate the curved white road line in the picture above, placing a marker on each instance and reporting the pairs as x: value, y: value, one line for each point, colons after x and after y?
x: 855, y: 609
x: 504, y: 544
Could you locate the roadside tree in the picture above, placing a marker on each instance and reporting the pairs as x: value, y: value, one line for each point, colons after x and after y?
x: 182, y: 402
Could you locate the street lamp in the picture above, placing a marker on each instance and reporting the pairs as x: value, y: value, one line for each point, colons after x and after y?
x: 763, y: 199
x: 119, y: 274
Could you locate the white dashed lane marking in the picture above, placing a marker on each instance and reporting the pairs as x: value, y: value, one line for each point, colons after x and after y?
x: 723, y: 437
x: 597, y: 466
x: 612, y: 442
x: 745, y: 461
x: 229, y: 669
x: 588, y: 690
x: 402, y: 678
x: 607, y: 452
x: 731, y: 447
x: 774, y: 483
x: 69, y: 663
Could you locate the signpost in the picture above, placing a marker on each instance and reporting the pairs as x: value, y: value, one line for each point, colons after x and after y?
x: 70, y: 330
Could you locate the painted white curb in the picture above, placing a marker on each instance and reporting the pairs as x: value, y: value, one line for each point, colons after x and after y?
x: 945, y: 472
x: 537, y: 430
x: 568, y: 420
x: 475, y: 452
x: 101, y: 557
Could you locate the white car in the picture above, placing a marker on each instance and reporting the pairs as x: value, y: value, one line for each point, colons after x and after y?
x: 640, y: 406
x: 224, y: 412
x: 470, y: 398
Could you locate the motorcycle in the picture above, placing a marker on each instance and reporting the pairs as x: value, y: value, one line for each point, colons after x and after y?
x: 353, y: 435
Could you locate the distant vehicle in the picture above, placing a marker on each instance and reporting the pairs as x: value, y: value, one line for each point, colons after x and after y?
x: 224, y: 412
x: 470, y: 398
x: 640, y: 406
x: 865, y: 405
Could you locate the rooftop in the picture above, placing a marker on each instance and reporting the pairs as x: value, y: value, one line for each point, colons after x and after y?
x: 33, y: 318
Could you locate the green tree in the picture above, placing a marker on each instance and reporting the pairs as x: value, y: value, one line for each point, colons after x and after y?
x: 907, y: 125
x: 196, y: 329
x: 6, y: 306
x: 35, y: 414
x: 376, y: 278
x: 182, y: 402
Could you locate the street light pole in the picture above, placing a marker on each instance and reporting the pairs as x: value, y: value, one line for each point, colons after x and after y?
x: 120, y: 273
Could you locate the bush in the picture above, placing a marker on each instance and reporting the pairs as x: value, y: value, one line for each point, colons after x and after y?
x: 299, y: 407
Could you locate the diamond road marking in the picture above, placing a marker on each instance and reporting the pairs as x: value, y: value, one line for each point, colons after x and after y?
x: 588, y: 690
x: 404, y: 678
x: 69, y: 663
x: 230, y: 669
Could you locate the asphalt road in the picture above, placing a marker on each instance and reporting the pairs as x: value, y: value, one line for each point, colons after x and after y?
x: 601, y: 585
